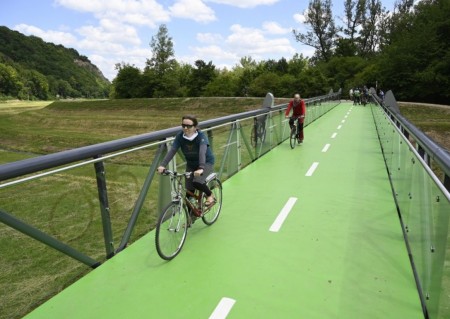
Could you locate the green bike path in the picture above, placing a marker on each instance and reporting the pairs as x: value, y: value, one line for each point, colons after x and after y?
x: 337, y: 253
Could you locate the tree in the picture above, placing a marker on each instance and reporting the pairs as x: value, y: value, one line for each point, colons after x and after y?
x: 297, y: 64
x: 162, y: 52
x: 246, y: 72
x: 36, y: 84
x: 201, y: 76
x: 416, y: 64
x: 266, y: 82
x: 323, y: 30
x: 363, y: 28
x: 313, y: 82
x: 354, y: 12
x: 10, y: 84
x: 369, y: 40
x: 128, y: 82
x: 342, y: 71
x: 225, y: 84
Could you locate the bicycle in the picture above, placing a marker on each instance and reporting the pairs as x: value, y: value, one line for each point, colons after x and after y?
x: 181, y: 213
x: 258, y: 133
x: 293, y: 137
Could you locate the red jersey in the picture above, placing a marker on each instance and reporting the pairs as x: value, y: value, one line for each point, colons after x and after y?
x: 298, y: 109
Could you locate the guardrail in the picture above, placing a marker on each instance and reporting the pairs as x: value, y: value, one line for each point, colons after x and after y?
x: 423, y: 200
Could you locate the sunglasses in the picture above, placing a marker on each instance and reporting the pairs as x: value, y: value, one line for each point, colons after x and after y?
x: 187, y: 125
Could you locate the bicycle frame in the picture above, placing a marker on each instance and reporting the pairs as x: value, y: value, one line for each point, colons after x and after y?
x: 179, y: 191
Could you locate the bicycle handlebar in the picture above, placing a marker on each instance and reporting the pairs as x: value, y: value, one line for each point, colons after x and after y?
x: 172, y: 173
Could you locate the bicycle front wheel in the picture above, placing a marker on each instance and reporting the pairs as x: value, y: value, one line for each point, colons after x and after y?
x: 293, y: 137
x: 171, y: 231
x: 212, y: 213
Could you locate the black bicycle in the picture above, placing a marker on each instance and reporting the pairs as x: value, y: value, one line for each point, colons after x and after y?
x: 258, y: 133
x: 293, y: 137
x: 183, y: 210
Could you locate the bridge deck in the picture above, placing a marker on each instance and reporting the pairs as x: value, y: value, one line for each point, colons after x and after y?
x: 339, y: 253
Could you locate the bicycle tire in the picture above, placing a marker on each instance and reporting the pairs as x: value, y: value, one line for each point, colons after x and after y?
x: 262, y: 134
x: 293, y: 137
x: 211, y: 214
x: 171, y: 231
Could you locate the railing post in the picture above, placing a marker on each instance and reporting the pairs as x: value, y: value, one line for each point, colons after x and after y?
x: 104, y: 207
x: 164, y: 189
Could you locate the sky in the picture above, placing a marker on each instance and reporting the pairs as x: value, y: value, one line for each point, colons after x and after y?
x: 120, y: 31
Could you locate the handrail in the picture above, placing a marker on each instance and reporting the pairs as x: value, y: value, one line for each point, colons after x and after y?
x: 35, y: 164
x: 426, y: 145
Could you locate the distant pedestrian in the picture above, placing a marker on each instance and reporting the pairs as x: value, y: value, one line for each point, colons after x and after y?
x: 356, y: 97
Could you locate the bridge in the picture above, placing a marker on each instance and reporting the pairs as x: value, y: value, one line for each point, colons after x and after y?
x: 353, y: 223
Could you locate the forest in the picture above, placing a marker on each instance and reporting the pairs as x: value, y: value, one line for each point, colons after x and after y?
x: 31, y: 69
x: 406, y: 50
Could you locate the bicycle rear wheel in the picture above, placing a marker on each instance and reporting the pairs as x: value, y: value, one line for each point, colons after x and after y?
x: 293, y: 137
x: 212, y: 213
x: 171, y: 231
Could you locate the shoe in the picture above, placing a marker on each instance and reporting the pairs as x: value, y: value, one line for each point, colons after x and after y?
x: 210, y: 203
x: 299, y: 141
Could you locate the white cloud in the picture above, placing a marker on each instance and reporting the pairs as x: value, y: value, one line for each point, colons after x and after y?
x: 274, y: 28
x: 249, y: 41
x: 211, y: 53
x: 300, y: 18
x: 192, y: 9
x: 242, y: 41
x: 110, y: 31
x: 134, y: 12
x: 244, y: 3
x: 209, y: 38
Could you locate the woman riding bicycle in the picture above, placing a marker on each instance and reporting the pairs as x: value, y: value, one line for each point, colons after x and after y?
x: 198, y: 154
x: 298, y: 113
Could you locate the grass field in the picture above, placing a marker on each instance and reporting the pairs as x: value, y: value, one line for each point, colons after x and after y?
x: 433, y: 120
x: 31, y: 129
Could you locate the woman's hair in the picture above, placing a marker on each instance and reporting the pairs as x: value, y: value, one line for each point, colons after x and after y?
x: 192, y: 118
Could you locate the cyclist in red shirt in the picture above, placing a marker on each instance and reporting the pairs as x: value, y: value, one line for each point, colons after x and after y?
x: 298, y: 113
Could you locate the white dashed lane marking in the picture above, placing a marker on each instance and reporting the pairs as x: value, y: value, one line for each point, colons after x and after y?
x: 325, y: 148
x: 311, y: 170
x: 283, y: 215
x: 223, y: 308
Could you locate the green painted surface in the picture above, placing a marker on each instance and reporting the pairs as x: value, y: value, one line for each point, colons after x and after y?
x: 340, y: 252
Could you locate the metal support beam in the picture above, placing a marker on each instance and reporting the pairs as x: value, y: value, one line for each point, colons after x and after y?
x: 104, y: 207
x: 35, y: 233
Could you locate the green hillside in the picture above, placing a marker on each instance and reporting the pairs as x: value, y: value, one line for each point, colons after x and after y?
x: 33, y: 69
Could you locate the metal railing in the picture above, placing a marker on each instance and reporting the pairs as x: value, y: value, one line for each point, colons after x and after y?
x: 413, y: 162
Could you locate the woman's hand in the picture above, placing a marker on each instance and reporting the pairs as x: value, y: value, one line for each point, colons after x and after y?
x: 198, y: 172
x: 160, y: 169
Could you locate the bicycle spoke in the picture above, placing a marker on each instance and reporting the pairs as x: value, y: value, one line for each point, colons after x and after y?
x: 171, y: 231
x: 212, y: 213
